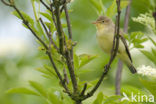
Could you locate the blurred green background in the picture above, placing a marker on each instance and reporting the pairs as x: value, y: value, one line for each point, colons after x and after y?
x: 19, y: 54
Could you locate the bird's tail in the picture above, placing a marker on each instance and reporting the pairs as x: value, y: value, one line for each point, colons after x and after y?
x: 132, y: 68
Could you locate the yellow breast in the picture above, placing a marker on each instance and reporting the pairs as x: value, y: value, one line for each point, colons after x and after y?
x: 105, y: 40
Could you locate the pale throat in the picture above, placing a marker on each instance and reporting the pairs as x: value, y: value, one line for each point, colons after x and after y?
x: 104, y: 30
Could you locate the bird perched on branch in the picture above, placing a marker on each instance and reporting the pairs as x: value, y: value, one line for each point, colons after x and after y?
x: 105, y: 35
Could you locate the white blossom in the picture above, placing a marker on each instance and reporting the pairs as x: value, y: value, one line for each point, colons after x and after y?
x: 146, y: 71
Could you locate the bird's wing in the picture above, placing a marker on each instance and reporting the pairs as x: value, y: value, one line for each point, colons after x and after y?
x: 125, y: 44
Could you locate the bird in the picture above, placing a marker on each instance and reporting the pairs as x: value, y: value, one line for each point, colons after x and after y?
x: 105, y: 35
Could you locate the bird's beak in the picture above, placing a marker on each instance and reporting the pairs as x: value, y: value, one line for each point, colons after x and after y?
x: 95, y: 22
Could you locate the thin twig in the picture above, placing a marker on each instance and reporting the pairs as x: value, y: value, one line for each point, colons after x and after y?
x: 59, y: 30
x: 27, y: 24
x: 71, y: 71
x: 113, y: 53
x: 53, y: 16
x: 62, y: 46
x: 120, y: 64
x: 58, y: 74
x: 84, y: 89
x: 48, y: 35
x: 154, y: 16
x: 65, y: 76
x: 127, y: 14
x: 45, y: 5
x: 46, y: 47
x: 7, y: 4
x: 118, y: 77
x: 69, y: 30
x: 89, y: 94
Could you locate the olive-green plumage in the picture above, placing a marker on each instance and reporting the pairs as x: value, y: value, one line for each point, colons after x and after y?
x: 105, y: 34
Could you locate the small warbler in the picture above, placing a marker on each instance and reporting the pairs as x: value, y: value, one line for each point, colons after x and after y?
x: 105, y: 35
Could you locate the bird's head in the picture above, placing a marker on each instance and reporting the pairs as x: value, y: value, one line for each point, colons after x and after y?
x: 103, y: 22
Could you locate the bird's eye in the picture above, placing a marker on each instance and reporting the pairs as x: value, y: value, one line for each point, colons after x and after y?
x: 103, y: 21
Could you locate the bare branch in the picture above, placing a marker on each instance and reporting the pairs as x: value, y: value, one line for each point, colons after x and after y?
x: 60, y: 31
x: 120, y: 64
x: 127, y: 14
x: 27, y: 24
x: 84, y: 89
x: 53, y: 16
x: 62, y: 46
x: 154, y: 16
x: 65, y: 76
x: 46, y: 47
x: 113, y: 53
x: 69, y: 30
x: 118, y: 77
x: 71, y: 71
x: 7, y: 4
x: 45, y: 5
x: 48, y: 35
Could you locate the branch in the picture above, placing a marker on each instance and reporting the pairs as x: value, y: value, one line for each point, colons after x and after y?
x: 84, y: 89
x: 71, y: 71
x: 127, y: 14
x: 58, y: 74
x: 27, y: 24
x: 53, y: 16
x: 59, y: 30
x: 113, y: 53
x: 7, y: 4
x: 120, y: 64
x: 46, y: 47
x: 89, y: 94
x: 154, y: 16
x: 62, y: 45
x: 48, y: 35
x: 45, y: 5
x: 65, y: 76
x: 69, y: 30
x: 118, y: 77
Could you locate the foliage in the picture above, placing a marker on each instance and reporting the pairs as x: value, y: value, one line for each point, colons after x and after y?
x: 54, y: 93
x: 110, y: 11
x: 147, y: 20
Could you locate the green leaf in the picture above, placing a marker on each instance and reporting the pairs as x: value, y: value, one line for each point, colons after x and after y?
x: 76, y: 61
x: 45, y: 72
x: 46, y: 15
x: 112, y: 99
x: 111, y: 10
x: 22, y: 90
x: 50, y: 70
x: 154, y: 43
x: 99, y: 99
x: 150, y: 85
x: 129, y: 89
x: 54, y: 99
x: 50, y: 25
x: 96, y: 5
x: 40, y: 30
x: 138, y: 46
x: 154, y: 51
x: 133, y: 35
x: 85, y: 59
x: 37, y: 86
x: 124, y: 4
x: 25, y: 16
x: 36, y: 1
x: 149, y: 56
